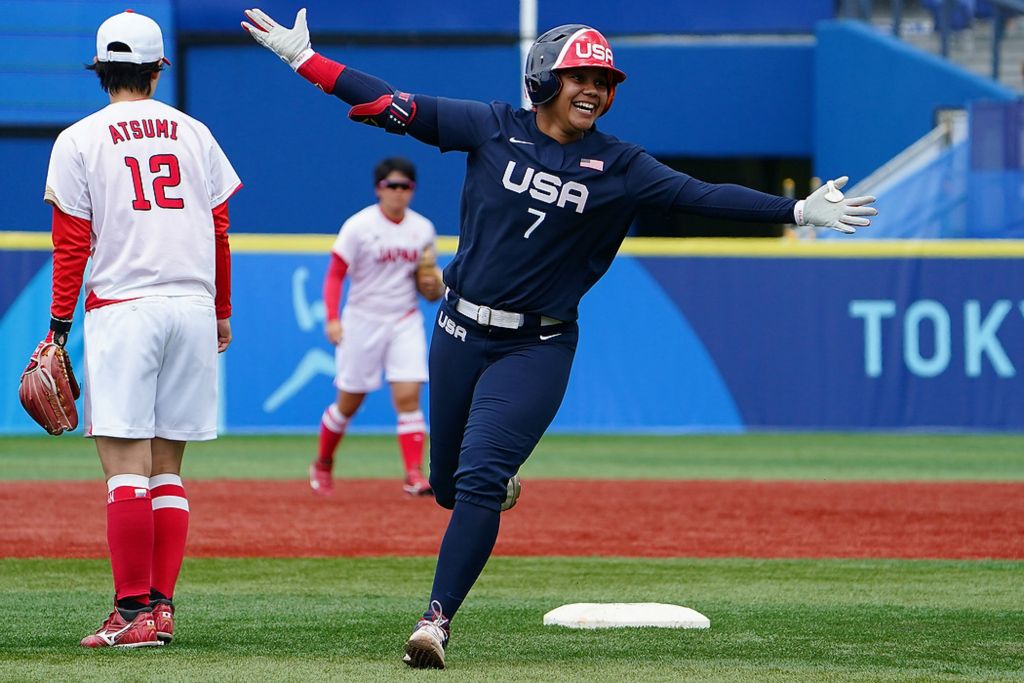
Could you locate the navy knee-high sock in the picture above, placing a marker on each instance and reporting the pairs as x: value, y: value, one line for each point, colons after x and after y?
x: 467, y: 544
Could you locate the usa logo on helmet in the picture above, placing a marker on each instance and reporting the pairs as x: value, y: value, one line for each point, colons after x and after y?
x: 594, y: 51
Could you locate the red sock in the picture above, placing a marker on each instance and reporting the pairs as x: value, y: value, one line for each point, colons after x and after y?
x: 332, y: 430
x: 130, y: 535
x: 170, y: 529
x: 412, y: 434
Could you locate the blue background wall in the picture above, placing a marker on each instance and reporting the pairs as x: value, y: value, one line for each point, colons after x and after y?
x: 44, y: 45
x: 692, y: 16
x: 312, y: 166
x: 873, y: 96
x: 305, y: 166
x: 851, y: 99
x: 728, y: 339
x: 331, y: 17
x: 502, y: 16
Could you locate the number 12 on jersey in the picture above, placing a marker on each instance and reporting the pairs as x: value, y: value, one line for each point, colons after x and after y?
x: 172, y: 178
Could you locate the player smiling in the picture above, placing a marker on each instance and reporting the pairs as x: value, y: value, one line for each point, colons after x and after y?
x: 547, y: 200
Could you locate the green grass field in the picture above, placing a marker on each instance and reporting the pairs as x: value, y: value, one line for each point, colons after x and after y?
x: 346, y: 619
x: 825, y: 457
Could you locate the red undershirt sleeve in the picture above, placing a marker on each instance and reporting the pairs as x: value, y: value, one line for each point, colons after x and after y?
x: 72, y: 243
x: 222, y: 255
x: 333, y: 285
x: 321, y: 71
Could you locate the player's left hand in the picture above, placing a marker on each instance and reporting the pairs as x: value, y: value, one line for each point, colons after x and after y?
x: 334, y: 331
x: 223, y: 334
x: 828, y: 208
x: 429, y: 284
x: 428, y: 276
x: 290, y: 44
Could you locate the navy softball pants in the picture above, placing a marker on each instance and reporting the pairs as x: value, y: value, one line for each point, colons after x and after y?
x: 493, y: 393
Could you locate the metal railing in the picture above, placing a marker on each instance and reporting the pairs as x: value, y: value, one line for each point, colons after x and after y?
x: 1002, y: 11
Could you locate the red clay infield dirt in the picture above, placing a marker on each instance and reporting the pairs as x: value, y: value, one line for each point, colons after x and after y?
x: 554, y: 517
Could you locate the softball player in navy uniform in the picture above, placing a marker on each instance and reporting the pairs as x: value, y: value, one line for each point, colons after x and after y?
x: 546, y: 203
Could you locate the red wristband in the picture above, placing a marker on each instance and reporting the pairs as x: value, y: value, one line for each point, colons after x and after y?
x: 321, y: 72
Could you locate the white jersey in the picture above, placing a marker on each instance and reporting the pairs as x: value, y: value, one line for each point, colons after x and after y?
x: 147, y: 176
x: 381, y: 256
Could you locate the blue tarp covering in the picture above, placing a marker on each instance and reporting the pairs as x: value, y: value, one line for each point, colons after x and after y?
x: 974, y: 189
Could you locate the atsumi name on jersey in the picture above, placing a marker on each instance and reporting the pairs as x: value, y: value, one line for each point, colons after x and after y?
x: 146, y: 128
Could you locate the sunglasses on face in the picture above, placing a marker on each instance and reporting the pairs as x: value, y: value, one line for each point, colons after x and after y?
x: 396, y: 185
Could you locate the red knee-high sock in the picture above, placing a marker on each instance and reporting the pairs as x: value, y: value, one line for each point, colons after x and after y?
x: 412, y: 434
x: 170, y: 530
x: 130, y: 535
x: 332, y: 430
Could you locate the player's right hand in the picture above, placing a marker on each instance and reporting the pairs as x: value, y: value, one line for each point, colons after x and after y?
x: 290, y: 44
x: 332, y: 328
x: 223, y: 334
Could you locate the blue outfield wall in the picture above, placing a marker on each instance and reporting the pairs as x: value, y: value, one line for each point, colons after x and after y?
x: 678, y: 337
x: 311, y: 167
x: 734, y: 16
x: 849, y: 97
x: 24, y: 161
x: 306, y: 167
x: 502, y: 16
x: 44, y: 47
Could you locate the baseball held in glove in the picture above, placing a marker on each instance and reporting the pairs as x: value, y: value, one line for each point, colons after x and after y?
x: 48, y: 389
x: 428, y: 276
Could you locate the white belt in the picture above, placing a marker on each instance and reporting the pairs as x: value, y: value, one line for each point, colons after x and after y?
x: 492, y: 317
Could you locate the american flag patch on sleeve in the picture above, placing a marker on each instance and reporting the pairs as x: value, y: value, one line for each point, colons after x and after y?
x: 595, y: 164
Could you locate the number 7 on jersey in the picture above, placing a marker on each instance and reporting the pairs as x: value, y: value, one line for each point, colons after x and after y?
x: 540, y: 219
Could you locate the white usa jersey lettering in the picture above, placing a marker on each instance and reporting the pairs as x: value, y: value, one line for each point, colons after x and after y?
x: 147, y: 176
x: 382, y: 257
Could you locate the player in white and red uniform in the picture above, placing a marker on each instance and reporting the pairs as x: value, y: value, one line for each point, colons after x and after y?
x: 381, y: 327
x: 142, y: 188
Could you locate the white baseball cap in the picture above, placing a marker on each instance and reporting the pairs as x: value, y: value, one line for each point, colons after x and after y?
x: 140, y: 33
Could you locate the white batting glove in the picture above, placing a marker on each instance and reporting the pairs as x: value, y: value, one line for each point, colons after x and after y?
x: 828, y: 208
x: 290, y: 44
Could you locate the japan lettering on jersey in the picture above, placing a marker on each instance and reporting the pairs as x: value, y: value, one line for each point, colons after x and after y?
x: 147, y: 176
x: 381, y: 256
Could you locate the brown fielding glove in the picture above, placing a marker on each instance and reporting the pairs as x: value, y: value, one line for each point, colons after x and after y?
x: 428, y: 276
x: 48, y: 388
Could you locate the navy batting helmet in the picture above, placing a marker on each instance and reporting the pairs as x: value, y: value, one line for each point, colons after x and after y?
x: 567, y: 47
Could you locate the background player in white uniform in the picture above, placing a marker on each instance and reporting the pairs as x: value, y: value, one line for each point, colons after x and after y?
x: 142, y: 188
x: 381, y: 327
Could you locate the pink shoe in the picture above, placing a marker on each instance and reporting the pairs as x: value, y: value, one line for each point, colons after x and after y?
x: 416, y: 484
x: 320, y: 479
x: 116, y: 632
x: 163, y: 618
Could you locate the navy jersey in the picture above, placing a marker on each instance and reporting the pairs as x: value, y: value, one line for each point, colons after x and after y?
x: 540, y: 222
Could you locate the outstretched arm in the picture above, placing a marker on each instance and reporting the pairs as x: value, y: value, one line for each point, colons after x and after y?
x: 374, y: 101
x: 655, y: 184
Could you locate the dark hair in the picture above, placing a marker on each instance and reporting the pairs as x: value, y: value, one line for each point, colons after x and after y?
x: 400, y: 164
x: 125, y: 76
